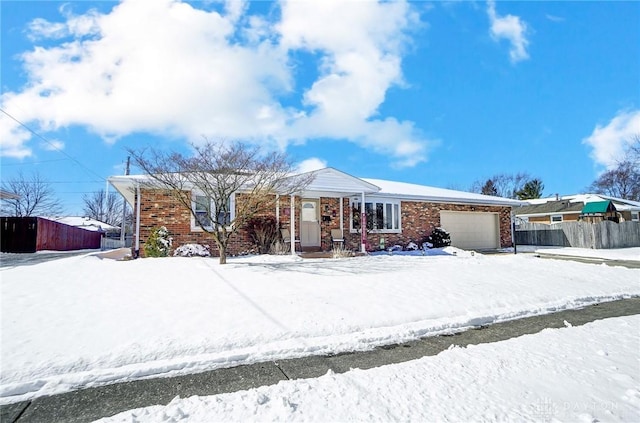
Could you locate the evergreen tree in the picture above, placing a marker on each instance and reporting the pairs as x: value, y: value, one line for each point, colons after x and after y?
x: 531, y: 189
x: 489, y: 188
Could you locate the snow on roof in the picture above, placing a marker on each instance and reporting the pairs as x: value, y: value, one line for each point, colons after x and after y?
x: 620, y: 203
x: 414, y: 191
x: 349, y: 184
x: 85, y: 223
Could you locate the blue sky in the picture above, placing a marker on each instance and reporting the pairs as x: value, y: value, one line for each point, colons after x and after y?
x: 434, y: 93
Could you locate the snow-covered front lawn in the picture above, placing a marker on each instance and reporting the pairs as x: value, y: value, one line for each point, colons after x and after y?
x: 83, y: 321
x: 578, y: 374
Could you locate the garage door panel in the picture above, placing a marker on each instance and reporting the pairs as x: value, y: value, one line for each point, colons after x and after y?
x: 472, y: 230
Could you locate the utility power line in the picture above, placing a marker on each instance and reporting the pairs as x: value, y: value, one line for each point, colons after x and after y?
x: 55, y: 147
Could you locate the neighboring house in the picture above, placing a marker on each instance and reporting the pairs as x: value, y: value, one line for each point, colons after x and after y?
x: 396, y: 213
x: 87, y: 223
x: 571, y: 208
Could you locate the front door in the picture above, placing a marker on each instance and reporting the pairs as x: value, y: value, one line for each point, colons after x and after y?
x: 309, y: 224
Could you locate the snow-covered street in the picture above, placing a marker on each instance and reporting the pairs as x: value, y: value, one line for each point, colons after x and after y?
x: 86, y: 321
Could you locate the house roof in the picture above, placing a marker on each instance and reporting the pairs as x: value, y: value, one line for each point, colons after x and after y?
x: 85, y: 223
x: 408, y: 191
x: 620, y: 203
x: 597, y: 207
x: 550, y: 207
x: 330, y: 182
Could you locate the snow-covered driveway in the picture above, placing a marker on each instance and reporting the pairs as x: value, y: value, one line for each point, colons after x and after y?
x: 85, y: 321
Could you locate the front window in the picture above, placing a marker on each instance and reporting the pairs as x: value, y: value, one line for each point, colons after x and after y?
x: 202, y: 209
x: 205, y: 212
x: 381, y: 215
x: 635, y: 216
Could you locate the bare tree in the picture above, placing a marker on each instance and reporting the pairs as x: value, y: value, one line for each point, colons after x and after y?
x: 206, y: 184
x: 104, y: 207
x: 35, y: 197
x: 623, y: 181
x: 633, y: 150
x: 502, y: 184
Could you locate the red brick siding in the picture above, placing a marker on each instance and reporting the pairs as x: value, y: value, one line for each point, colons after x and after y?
x: 159, y: 208
x: 418, y: 219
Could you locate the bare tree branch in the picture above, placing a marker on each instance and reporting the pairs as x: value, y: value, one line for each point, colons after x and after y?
x: 502, y: 184
x: 218, y: 172
x: 35, y: 197
x: 103, y: 207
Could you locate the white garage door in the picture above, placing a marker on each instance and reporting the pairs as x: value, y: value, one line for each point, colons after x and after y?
x: 472, y: 230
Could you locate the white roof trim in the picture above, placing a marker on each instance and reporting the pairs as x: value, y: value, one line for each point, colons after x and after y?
x: 406, y: 191
x: 330, y: 182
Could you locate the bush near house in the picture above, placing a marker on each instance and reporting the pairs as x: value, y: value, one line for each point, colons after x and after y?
x: 439, y: 238
x: 159, y: 243
x: 264, y: 231
x: 192, y: 250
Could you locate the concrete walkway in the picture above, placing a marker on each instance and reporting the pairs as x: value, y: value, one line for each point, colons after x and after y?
x: 93, y: 403
x: 630, y: 264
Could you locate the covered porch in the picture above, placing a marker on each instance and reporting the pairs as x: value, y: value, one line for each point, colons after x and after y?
x: 323, y: 207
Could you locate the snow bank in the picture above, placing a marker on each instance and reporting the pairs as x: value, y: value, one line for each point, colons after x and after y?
x: 579, y: 374
x: 83, y: 321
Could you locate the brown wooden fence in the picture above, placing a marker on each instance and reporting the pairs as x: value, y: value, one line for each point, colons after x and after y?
x: 31, y: 234
x: 580, y: 234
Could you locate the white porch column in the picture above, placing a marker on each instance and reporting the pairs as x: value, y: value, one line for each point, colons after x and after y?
x: 138, y: 200
x: 292, y: 225
x: 363, y: 226
x: 278, y: 210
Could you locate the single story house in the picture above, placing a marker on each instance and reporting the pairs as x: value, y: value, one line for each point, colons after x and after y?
x: 87, y: 223
x: 571, y: 208
x: 395, y: 212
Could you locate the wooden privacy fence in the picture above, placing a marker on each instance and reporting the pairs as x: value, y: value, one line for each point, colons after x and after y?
x: 580, y: 234
x: 31, y: 234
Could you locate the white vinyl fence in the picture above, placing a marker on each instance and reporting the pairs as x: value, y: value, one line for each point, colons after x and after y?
x: 580, y: 234
x: 114, y: 243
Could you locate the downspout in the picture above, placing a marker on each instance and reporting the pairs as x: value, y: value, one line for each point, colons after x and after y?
x: 137, y: 250
x: 341, y: 216
x: 363, y: 226
x: 292, y: 226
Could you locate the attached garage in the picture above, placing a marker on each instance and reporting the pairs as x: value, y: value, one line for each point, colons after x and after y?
x: 472, y: 230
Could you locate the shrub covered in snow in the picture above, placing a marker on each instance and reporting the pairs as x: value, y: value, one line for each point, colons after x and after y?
x: 411, y: 246
x: 192, y: 250
x: 159, y: 243
x: 439, y: 238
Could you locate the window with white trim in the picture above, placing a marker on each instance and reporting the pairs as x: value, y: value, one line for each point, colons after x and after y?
x: 205, y: 212
x: 381, y: 215
x: 556, y: 218
x: 635, y: 216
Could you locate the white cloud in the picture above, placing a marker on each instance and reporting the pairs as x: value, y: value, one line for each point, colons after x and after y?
x: 610, y: 141
x: 511, y: 28
x: 165, y: 67
x: 52, y: 145
x: 13, y: 139
x: 311, y: 164
x: 554, y: 18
